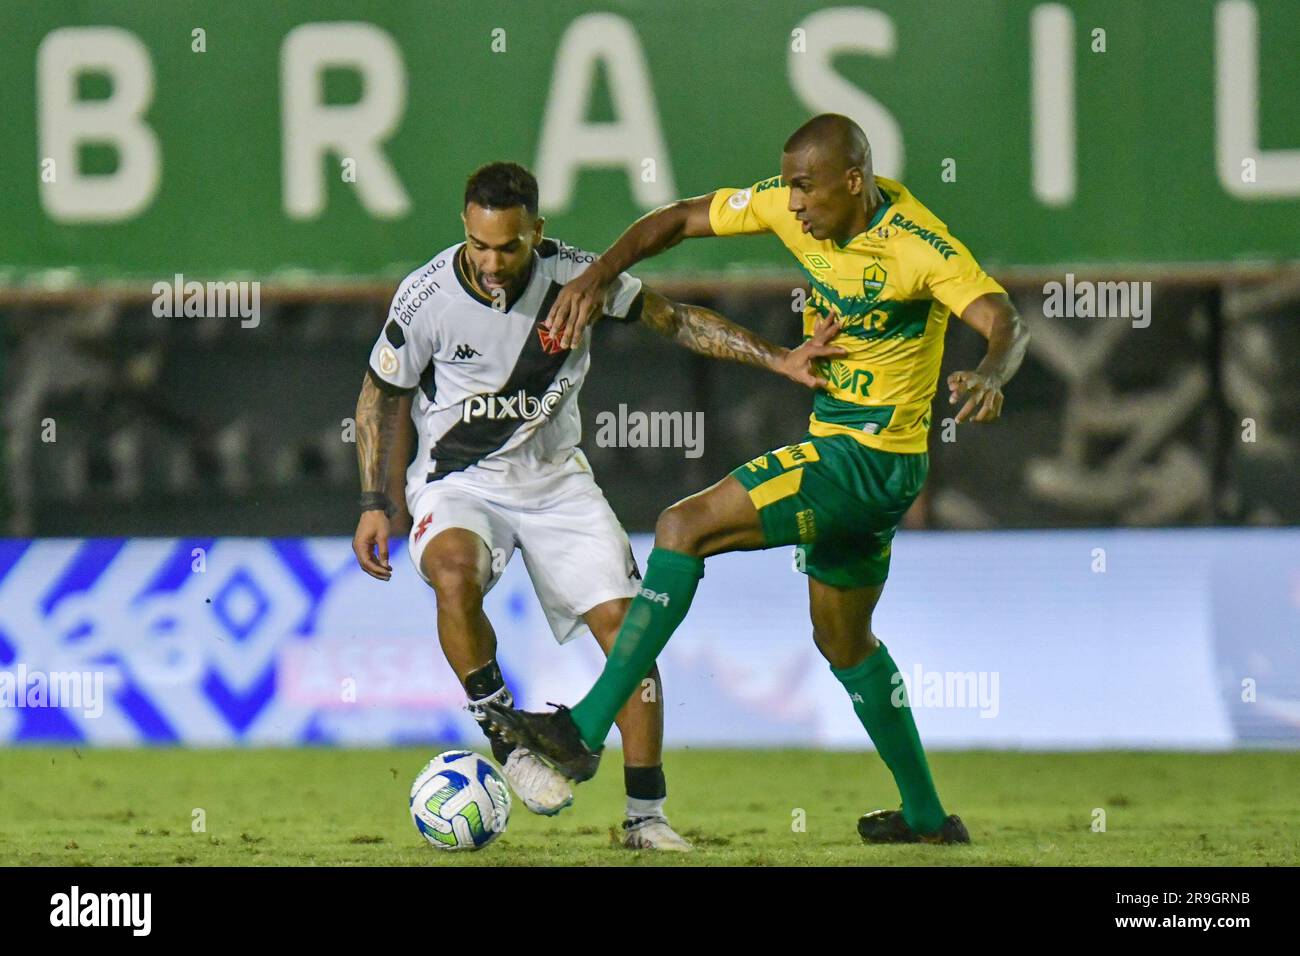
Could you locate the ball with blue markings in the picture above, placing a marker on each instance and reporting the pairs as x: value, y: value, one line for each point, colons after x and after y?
x: 460, y: 801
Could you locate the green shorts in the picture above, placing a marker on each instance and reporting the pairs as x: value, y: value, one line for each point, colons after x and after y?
x: 838, y: 500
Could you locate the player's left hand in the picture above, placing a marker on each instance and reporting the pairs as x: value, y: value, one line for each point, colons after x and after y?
x: 983, y: 395
x: 799, y: 364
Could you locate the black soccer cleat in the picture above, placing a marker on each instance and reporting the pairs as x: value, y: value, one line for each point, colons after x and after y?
x: 554, y: 737
x: 888, y: 826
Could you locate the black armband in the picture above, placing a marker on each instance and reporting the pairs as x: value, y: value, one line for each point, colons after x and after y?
x: 377, y: 501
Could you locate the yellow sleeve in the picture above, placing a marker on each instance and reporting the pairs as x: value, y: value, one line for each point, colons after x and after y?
x: 956, y: 279
x: 733, y: 212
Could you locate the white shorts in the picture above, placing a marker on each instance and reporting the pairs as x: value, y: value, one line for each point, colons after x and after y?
x: 577, y: 554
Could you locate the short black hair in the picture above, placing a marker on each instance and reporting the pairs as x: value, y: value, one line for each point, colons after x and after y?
x: 836, y: 135
x: 502, y: 186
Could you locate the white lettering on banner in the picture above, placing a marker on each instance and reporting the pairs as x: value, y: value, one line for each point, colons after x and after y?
x: 311, y: 128
x: 65, y: 123
x: 570, y: 144
x: 1052, y: 90
x: 831, y: 33
x: 1236, y: 110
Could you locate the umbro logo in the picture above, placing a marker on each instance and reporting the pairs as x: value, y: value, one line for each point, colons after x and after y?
x: 465, y: 352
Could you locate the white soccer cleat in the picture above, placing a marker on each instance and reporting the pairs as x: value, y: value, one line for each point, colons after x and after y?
x: 539, y: 785
x: 652, y: 833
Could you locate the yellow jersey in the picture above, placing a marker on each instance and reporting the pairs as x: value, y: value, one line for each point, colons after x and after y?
x: 893, y: 285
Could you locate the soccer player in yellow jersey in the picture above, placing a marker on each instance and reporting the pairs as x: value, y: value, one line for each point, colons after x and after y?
x: 888, y: 272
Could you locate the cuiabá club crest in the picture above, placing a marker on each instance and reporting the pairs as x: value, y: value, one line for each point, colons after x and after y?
x: 873, y: 281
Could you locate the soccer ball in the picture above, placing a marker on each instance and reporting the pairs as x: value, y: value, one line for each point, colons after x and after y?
x: 460, y: 801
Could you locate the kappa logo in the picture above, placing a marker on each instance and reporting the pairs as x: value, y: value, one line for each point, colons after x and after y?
x: 465, y: 352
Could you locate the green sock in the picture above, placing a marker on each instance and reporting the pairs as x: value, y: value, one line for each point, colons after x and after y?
x: 872, y: 688
x: 671, y: 576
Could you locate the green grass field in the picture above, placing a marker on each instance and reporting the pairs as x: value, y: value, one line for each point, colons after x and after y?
x: 326, y: 807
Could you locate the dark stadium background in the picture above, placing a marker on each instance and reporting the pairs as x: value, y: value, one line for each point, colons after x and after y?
x: 183, y: 427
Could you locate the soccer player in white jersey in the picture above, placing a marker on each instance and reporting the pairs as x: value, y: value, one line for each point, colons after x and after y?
x: 494, y: 404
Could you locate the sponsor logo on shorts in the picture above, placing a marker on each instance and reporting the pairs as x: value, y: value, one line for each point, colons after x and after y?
x: 520, y: 405
x: 423, y: 526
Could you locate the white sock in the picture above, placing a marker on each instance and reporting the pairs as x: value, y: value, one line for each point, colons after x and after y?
x: 645, y: 808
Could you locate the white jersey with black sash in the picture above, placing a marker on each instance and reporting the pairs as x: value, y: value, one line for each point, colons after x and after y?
x: 496, y: 398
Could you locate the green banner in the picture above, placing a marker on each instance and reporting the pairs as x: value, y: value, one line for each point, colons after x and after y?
x: 314, y: 139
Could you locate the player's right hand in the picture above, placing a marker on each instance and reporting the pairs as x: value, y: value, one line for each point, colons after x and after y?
x: 372, y: 535
x: 801, y: 364
x: 579, y: 304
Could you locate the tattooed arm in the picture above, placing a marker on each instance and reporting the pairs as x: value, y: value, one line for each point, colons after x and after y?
x: 706, y: 332
x: 378, y: 419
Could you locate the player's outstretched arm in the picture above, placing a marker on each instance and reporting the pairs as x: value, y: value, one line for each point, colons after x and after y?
x: 706, y: 332
x: 403, y: 440
x: 377, y: 419
x: 582, y: 300
x: 995, y: 318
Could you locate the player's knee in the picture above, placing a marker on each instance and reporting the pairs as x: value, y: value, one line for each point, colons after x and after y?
x: 844, y: 647
x: 456, y: 583
x: 676, y: 530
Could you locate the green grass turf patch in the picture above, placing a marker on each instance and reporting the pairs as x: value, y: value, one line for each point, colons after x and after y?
x: 349, y: 807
